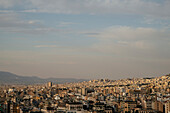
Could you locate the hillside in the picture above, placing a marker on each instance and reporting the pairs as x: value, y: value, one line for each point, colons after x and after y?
x: 10, y: 78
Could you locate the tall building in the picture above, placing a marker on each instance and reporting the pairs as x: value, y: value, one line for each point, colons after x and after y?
x: 167, y: 107
x: 49, y: 84
x: 84, y: 91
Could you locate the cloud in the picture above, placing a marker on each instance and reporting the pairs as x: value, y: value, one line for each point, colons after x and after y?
x: 38, y: 31
x: 139, y: 7
x: 7, y: 3
x: 133, y: 42
x: 15, y: 4
x: 46, y: 46
x: 102, y: 6
x: 90, y: 34
x: 65, y: 24
x: 123, y: 41
x: 13, y: 22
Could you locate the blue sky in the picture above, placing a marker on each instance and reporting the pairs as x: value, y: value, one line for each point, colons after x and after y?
x: 85, y: 39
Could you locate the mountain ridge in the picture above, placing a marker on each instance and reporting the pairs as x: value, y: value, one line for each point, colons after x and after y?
x: 10, y: 78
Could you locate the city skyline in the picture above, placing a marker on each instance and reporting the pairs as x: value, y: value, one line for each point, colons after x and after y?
x: 137, y: 95
x: 85, y: 39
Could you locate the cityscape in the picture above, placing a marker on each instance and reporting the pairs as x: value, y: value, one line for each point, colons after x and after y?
x: 84, y: 56
x: 131, y: 95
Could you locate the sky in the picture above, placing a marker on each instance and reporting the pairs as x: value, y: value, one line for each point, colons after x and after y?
x: 89, y: 39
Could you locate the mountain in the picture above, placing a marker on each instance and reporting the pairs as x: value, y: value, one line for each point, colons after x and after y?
x: 10, y: 78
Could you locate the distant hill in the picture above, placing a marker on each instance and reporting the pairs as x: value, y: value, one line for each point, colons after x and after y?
x: 10, y: 78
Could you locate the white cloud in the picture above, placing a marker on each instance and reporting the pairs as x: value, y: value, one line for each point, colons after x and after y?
x: 15, y: 4
x: 140, y: 7
x: 133, y: 42
x: 104, y: 6
x: 12, y: 22
x: 7, y: 3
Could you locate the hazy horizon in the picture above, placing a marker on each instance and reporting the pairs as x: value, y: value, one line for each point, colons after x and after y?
x: 101, y: 77
x: 88, y: 39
